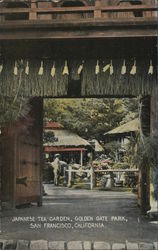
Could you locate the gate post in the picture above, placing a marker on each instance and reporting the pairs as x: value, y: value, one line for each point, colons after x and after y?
x: 70, y: 176
x: 92, y: 177
x: 145, y: 169
x: 154, y: 135
x: 22, y: 158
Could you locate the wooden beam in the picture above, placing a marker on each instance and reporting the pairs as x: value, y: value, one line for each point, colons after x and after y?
x: 83, y: 34
x: 97, y: 11
x: 32, y: 12
x: 34, y: 8
x: 46, y: 10
x: 14, y: 10
x: 134, y: 22
x: 94, y: 28
x: 117, y: 170
x: 103, y: 9
x: 103, y: 170
x: 45, y: 16
x: 132, y: 8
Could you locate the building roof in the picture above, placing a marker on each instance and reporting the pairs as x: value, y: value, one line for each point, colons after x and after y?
x: 131, y: 126
x: 66, y: 138
x: 49, y: 149
x: 98, y: 147
x: 53, y: 125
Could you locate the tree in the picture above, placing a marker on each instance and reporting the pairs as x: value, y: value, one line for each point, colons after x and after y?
x: 48, y: 136
x: 131, y: 108
x: 89, y: 118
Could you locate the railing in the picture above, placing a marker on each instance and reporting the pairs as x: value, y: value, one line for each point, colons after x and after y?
x: 93, y: 171
x: 34, y: 12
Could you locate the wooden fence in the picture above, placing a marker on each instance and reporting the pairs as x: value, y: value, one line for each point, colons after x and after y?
x: 92, y: 173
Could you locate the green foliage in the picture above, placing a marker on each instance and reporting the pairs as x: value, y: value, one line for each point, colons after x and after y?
x: 48, y: 136
x: 144, y: 152
x: 131, y: 107
x: 111, y: 148
x: 89, y: 118
x: 140, y: 152
x: 119, y: 165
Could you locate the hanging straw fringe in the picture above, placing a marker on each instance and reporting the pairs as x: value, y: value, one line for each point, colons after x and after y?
x: 97, y: 69
x: 53, y: 70
x: 66, y: 70
x: 40, y: 72
x: 80, y: 68
x: 1, y: 68
x: 123, y: 70
x: 27, y: 68
x: 111, y: 68
x: 151, y: 68
x: 134, y: 69
x: 15, y: 69
x: 106, y: 67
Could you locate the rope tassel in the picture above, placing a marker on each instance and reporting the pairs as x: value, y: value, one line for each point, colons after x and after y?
x: 53, y: 70
x: 97, y: 69
x: 134, y: 69
x: 15, y: 69
x: 80, y: 68
x: 124, y: 69
x: 40, y: 72
x: 27, y: 68
x: 1, y: 68
x: 106, y: 67
x: 151, y: 68
x: 111, y: 68
x: 66, y: 70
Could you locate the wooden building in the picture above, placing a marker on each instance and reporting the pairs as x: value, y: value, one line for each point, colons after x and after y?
x: 125, y: 130
x: 121, y: 136
x: 77, y: 49
x: 69, y: 145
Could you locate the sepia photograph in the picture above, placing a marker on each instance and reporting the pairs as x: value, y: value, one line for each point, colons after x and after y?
x: 78, y: 125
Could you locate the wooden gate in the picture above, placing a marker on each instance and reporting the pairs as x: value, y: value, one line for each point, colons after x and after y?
x: 23, y: 165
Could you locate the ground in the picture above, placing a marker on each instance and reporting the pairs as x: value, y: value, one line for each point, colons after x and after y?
x: 116, y: 214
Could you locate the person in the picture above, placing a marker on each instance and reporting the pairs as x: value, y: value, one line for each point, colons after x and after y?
x: 57, y: 169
